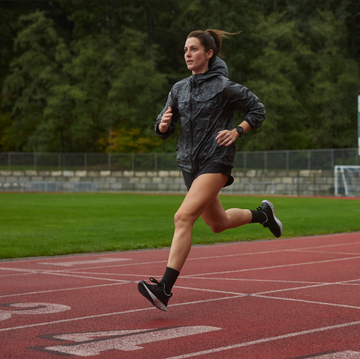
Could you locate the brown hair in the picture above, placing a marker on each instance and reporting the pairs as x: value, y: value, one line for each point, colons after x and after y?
x: 211, y: 39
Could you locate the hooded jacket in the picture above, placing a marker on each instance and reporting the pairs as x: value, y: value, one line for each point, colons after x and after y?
x: 205, y: 104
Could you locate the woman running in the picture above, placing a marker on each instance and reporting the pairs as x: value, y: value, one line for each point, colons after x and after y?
x: 205, y: 102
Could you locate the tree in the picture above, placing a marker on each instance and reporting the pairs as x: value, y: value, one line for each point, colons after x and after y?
x: 33, y: 73
x: 85, y: 73
x: 67, y: 97
x: 307, y: 82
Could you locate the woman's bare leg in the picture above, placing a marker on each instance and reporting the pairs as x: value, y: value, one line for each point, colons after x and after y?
x: 219, y: 220
x: 201, y: 195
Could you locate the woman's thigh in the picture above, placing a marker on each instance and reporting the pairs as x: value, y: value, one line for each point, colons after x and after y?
x: 201, y: 195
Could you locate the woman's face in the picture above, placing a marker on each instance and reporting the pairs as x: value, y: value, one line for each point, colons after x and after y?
x: 197, y: 60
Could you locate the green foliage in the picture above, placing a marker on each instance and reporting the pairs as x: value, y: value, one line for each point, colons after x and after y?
x: 307, y: 83
x: 103, y: 81
x: 33, y: 73
x: 80, y: 70
x: 7, y: 140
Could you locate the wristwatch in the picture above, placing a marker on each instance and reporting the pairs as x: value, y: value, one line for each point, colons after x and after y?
x: 239, y: 130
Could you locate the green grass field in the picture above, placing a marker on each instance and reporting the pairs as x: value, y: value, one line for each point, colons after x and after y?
x: 33, y: 224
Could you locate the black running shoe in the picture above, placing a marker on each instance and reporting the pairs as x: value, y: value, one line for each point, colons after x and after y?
x: 271, y: 221
x: 155, y: 293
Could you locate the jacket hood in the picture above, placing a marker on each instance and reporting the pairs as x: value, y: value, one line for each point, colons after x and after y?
x: 217, y: 68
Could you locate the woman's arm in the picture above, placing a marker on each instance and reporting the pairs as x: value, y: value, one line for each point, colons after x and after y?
x: 226, y: 137
x: 165, y: 124
x: 243, y: 100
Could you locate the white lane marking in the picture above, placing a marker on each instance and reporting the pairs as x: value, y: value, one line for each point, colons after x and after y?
x: 325, y: 252
x: 209, y: 257
x: 73, y: 275
x: 265, y: 340
x: 305, y: 301
x: 221, y: 256
x: 272, y: 267
x: 125, y: 281
x: 91, y: 344
x: 14, y: 275
x: 311, y: 284
x: 340, y: 355
x: 114, y: 313
x: 258, y: 280
x: 305, y: 287
x: 111, y: 274
x: 60, y: 290
x: 212, y: 290
x: 89, y: 261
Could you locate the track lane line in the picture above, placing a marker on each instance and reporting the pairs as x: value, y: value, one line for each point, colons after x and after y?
x: 209, y: 257
x: 257, y: 280
x: 272, y: 267
x: 265, y: 340
x: 116, y: 313
x: 303, y: 287
x: 36, y: 271
x: 61, y: 290
x: 305, y: 301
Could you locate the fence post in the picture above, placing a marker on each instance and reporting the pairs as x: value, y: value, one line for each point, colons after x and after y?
x: 287, y: 160
x: 265, y: 160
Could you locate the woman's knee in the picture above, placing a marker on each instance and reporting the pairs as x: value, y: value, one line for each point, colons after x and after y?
x: 183, y: 218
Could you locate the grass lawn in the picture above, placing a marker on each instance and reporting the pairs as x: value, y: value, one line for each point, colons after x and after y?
x: 33, y: 224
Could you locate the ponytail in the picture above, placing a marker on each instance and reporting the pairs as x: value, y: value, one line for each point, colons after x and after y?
x: 211, y: 39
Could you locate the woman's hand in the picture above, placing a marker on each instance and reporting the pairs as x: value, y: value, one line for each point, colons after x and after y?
x: 226, y: 137
x: 165, y: 121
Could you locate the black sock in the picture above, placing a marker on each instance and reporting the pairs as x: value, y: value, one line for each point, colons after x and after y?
x: 169, y: 278
x: 258, y: 216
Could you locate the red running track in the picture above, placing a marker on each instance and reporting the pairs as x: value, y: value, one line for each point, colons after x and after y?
x: 288, y: 298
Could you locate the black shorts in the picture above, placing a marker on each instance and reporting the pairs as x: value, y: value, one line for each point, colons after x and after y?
x: 209, y: 167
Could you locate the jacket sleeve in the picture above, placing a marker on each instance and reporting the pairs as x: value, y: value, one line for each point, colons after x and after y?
x: 243, y: 100
x: 171, y: 101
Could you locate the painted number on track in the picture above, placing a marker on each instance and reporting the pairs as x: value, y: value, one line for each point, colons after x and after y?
x: 30, y: 308
x: 93, y: 343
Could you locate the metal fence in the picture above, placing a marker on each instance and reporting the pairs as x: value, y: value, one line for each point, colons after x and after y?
x: 324, y: 159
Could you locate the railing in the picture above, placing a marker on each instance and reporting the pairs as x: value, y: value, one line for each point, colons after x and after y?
x: 324, y: 159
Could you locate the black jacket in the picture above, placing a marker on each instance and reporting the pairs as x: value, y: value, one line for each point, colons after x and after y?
x: 205, y: 104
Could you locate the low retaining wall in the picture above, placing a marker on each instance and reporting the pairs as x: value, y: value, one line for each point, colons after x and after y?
x: 304, y: 182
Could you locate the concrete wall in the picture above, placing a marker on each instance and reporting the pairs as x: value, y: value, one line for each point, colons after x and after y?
x: 313, y: 183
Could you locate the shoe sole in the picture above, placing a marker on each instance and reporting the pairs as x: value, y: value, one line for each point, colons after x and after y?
x: 144, y: 291
x: 276, y: 220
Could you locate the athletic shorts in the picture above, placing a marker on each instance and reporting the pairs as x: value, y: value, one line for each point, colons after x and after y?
x: 208, y: 167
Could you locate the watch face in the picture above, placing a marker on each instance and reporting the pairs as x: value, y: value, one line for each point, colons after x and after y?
x: 240, y: 130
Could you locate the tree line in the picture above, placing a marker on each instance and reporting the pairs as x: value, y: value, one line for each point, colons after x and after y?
x: 92, y: 76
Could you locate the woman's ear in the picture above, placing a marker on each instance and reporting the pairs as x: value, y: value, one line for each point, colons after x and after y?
x: 210, y: 54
